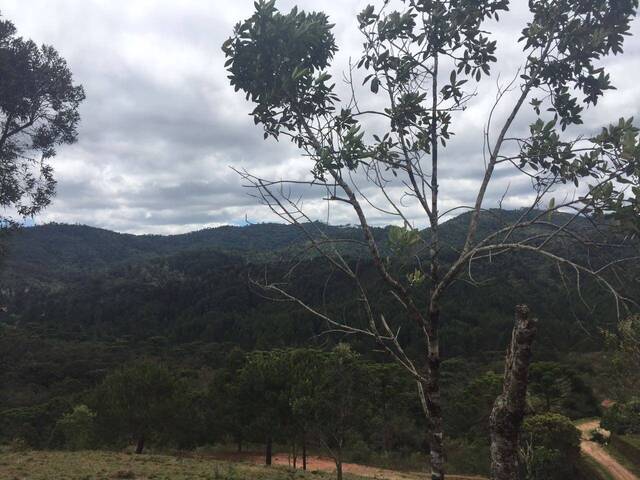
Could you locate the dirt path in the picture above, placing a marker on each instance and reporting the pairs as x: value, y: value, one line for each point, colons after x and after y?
x: 326, y: 464
x: 600, y: 455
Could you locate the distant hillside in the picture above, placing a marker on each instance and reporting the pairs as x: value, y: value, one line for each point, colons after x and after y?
x: 54, y: 253
x: 76, y: 301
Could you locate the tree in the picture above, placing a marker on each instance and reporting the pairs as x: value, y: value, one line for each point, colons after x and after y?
x: 422, y: 61
x: 557, y: 388
x: 77, y: 428
x: 625, y: 358
x: 552, y: 447
x: 38, y: 112
x: 338, y: 403
x: 509, y: 407
x: 229, y: 406
x: 266, y: 388
x: 305, y: 365
x: 623, y: 418
x: 392, y: 426
x: 139, y: 403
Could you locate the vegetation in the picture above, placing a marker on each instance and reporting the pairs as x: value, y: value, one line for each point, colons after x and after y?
x: 351, y: 341
x: 623, y: 418
x: 243, y: 368
x: 552, y: 447
x: 626, y: 448
x: 422, y: 60
x: 99, y: 465
x: 38, y: 112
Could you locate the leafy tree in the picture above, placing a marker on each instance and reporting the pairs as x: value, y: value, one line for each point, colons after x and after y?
x: 625, y: 359
x: 468, y: 413
x: 555, y: 387
x: 392, y: 425
x: 77, y: 428
x: 266, y: 389
x: 305, y: 366
x: 550, y: 382
x: 623, y: 418
x: 338, y: 405
x: 139, y: 402
x: 229, y: 407
x: 38, y: 112
x: 422, y: 61
x: 551, y: 445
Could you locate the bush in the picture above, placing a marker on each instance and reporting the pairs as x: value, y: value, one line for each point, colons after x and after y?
x: 77, y: 428
x: 551, y: 446
x: 599, y: 436
x: 623, y: 418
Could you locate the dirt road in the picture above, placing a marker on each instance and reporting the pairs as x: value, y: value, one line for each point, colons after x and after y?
x: 326, y: 464
x: 600, y: 455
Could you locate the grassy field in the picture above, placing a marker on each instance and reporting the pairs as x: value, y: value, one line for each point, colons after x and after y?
x: 633, y: 440
x: 623, y: 459
x: 100, y: 465
x: 592, y: 469
x: 37, y: 465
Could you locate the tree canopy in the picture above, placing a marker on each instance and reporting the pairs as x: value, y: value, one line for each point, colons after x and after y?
x: 39, y: 105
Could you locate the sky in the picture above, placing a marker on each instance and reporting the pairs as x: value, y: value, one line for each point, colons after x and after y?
x: 161, y: 127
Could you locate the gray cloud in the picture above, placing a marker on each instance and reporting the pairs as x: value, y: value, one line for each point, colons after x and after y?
x: 161, y: 126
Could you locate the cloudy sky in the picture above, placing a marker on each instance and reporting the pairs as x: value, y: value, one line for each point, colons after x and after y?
x: 160, y: 126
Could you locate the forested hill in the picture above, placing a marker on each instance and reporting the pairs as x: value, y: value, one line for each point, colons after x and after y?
x: 196, y: 286
x: 54, y: 253
x: 76, y: 302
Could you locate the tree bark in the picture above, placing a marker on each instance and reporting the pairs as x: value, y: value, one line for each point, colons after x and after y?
x: 509, y: 408
x: 432, y: 398
x: 304, y: 453
x: 339, y: 469
x: 268, y: 453
x: 295, y: 454
x: 140, y: 445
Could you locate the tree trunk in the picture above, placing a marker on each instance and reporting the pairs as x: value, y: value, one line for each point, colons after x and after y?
x: 140, y: 445
x: 509, y: 407
x: 432, y: 402
x: 304, y: 453
x: 268, y: 453
x: 295, y: 453
x: 239, y: 446
x: 339, y: 469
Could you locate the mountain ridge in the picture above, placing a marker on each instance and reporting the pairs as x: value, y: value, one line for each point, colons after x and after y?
x: 54, y: 252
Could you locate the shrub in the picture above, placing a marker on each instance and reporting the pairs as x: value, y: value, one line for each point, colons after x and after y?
x: 551, y: 446
x: 599, y: 436
x: 623, y: 418
x: 77, y: 428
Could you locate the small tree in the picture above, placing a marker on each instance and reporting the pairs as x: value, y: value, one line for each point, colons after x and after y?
x: 77, y: 428
x: 422, y: 61
x: 38, y: 112
x: 623, y: 418
x: 551, y: 444
x: 625, y: 358
x: 266, y: 388
x: 338, y: 403
x: 138, y: 403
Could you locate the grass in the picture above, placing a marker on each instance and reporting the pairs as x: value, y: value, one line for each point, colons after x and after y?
x: 632, y: 439
x: 92, y: 465
x: 622, y: 459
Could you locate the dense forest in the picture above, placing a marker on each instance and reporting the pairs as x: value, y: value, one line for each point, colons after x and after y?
x: 87, y: 314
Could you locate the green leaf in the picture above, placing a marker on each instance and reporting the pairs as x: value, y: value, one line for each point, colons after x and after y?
x: 375, y: 83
